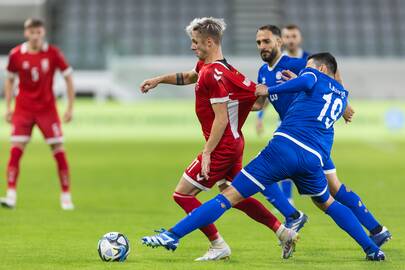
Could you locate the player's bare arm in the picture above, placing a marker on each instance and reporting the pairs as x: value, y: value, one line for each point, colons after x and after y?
x: 349, y: 111
x: 260, y: 104
x: 8, y: 96
x: 217, y: 131
x: 287, y: 75
x: 67, y: 117
x: 180, y: 78
x: 348, y: 114
x: 262, y: 90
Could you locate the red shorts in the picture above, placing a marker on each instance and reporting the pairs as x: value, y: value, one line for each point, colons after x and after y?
x: 48, y: 122
x: 226, y: 162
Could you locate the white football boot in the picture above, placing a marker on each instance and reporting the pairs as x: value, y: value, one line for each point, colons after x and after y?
x: 288, y: 239
x: 10, y: 201
x: 218, y: 250
x: 66, y: 201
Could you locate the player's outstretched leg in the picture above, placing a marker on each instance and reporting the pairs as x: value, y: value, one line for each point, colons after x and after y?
x: 202, y: 216
x: 64, y: 176
x: 294, y: 219
x: 210, y: 212
x: 347, y: 221
x: 13, y: 169
x: 379, y: 234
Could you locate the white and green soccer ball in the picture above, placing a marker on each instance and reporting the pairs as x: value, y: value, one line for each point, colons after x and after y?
x: 113, y: 247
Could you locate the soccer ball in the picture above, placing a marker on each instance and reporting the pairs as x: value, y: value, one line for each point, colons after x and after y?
x: 113, y: 246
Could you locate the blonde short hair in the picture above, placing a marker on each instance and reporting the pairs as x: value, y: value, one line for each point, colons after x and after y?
x: 208, y: 27
x: 33, y: 22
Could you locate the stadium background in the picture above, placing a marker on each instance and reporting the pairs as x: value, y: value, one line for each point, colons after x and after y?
x: 127, y: 150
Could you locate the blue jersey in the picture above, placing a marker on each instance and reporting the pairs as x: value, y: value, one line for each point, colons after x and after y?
x: 271, y: 76
x: 309, y: 120
x: 301, y: 54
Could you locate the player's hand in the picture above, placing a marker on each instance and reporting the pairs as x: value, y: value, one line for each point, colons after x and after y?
x: 68, y: 116
x: 8, y: 116
x: 205, y: 164
x: 287, y: 75
x: 348, y: 114
x: 259, y: 127
x: 148, y: 84
x: 261, y: 90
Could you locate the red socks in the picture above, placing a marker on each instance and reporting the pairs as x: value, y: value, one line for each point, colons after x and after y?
x: 63, y: 170
x: 189, y: 203
x: 254, y: 209
x: 13, y: 167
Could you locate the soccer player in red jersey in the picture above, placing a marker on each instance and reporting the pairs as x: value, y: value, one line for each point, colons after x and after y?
x: 224, y: 98
x: 34, y: 63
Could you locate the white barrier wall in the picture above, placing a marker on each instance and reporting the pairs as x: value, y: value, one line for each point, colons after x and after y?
x: 364, y: 78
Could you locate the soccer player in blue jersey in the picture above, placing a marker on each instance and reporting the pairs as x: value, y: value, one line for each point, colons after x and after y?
x: 272, y: 73
x: 292, y: 41
x: 298, y: 150
x: 268, y: 40
x: 293, y: 58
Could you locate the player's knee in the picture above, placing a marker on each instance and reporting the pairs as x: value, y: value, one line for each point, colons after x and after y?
x: 324, y: 201
x: 57, y: 147
x: 333, y: 183
x: 20, y: 145
x: 232, y: 195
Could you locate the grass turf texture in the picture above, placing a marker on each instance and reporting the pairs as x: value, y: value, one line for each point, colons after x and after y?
x: 124, y: 169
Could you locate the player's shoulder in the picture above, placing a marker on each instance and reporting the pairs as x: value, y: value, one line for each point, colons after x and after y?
x: 216, y: 70
x: 219, y: 66
x: 263, y: 68
x: 16, y: 50
x: 294, y: 62
x: 310, y: 70
x: 51, y: 48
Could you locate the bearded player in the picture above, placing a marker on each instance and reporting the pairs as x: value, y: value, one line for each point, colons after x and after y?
x: 34, y: 64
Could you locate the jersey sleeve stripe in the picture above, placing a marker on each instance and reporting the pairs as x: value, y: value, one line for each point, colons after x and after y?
x: 67, y: 71
x: 219, y: 100
x: 311, y: 73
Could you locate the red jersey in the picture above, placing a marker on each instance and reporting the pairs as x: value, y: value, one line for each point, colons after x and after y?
x: 219, y: 82
x: 36, y: 72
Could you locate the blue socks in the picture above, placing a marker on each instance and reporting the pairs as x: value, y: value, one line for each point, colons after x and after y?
x: 277, y: 198
x: 353, y: 201
x: 345, y: 219
x: 286, y: 187
x: 202, y: 216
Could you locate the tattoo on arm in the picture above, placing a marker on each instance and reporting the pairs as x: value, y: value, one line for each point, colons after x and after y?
x: 179, y: 79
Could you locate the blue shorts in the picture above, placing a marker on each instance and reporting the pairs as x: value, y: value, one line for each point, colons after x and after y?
x: 283, y: 159
x: 329, y: 167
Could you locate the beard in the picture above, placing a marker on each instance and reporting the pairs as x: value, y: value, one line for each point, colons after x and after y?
x: 268, y: 56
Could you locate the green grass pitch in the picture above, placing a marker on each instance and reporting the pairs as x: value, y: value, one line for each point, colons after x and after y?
x: 126, y: 161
